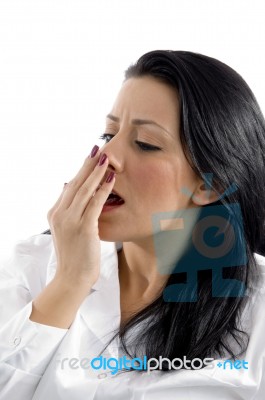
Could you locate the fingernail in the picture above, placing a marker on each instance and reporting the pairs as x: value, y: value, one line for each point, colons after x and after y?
x: 110, y: 177
x: 94, y: 151
x: 102, y: 159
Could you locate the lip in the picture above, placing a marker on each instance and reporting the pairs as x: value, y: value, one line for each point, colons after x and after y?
x: 109, y: 208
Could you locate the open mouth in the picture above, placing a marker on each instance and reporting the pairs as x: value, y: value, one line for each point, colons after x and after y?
x: 114, y: 199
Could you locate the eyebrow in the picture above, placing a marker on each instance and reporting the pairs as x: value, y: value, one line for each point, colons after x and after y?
x: 138, y: 121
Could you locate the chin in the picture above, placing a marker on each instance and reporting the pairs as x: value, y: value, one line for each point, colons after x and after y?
x: 107, y: 235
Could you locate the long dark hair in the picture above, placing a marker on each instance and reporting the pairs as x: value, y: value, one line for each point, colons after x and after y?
x: 223, y: 133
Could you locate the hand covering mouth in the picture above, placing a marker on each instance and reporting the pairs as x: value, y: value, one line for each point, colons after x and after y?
x: 114, y: 197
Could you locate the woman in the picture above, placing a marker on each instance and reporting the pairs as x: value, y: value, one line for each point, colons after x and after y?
x: 155, y: 251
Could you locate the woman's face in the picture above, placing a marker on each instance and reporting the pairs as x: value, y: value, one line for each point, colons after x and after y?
x: 144, y: 150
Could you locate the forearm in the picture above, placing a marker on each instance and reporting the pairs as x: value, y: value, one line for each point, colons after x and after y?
x: 58, y: 303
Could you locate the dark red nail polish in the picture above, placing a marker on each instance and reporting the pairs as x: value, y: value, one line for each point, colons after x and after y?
x: 110, y: 177
x: 102, y: 159
x: 94, y: 151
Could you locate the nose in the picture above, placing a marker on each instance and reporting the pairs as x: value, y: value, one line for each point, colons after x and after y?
x: 115, y: 152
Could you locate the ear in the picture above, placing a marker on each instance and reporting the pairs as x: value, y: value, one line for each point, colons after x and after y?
x: 204, y: 194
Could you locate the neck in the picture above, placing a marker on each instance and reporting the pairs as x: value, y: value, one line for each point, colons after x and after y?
x: 138, y: 269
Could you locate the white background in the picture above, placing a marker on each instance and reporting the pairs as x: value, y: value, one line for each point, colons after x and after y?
x: 61, y: 65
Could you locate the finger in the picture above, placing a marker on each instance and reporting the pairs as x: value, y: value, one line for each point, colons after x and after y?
x: 88, y: 190
x: 74, y: 184
x: 56, y: 204
x: 97, y: 202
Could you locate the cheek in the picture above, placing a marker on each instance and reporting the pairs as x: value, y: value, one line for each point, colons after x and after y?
x: 160, y: 186
x: 149, y: 177
x: 156, y: 184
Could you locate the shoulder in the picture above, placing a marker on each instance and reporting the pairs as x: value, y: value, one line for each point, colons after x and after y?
x: 35, y: 245
x: 254, y: 310
x: 29, y: 255
x: 32, y: 261
x: 258, y: 285
x: 260, y: 261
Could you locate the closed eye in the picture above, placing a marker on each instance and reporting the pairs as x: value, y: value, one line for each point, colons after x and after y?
x: 142, y: 145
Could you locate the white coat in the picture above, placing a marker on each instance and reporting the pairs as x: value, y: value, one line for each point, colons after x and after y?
x: 35, y: 359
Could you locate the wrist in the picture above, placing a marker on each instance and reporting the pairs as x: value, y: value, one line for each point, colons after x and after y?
x: 70, y: 285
